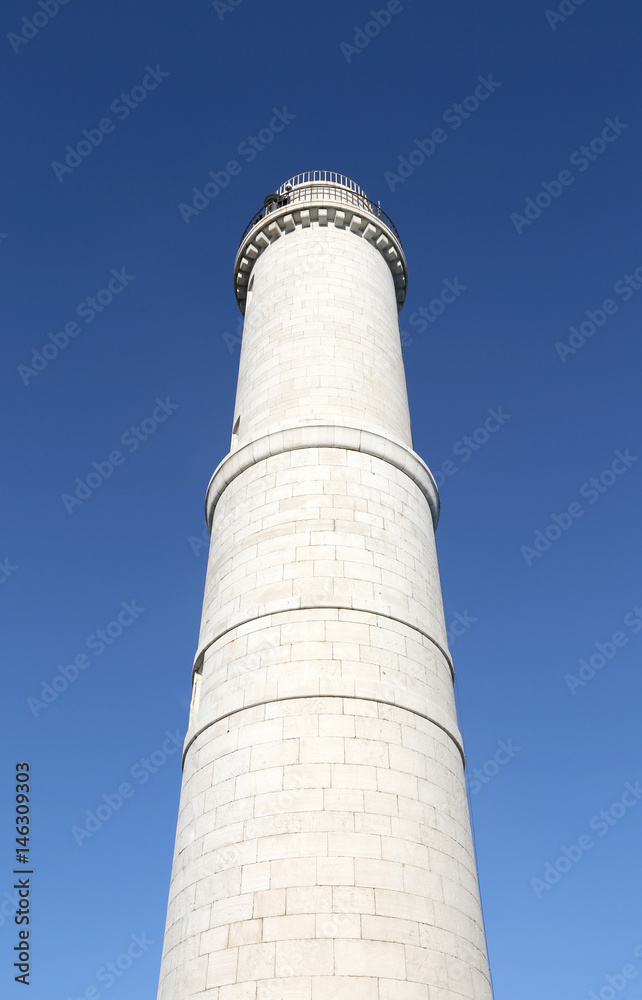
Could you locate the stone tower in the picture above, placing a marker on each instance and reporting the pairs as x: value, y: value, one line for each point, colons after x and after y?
x: 323, y: 848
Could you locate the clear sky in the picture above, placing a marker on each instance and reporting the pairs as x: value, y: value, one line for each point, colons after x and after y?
x: 105, y: 224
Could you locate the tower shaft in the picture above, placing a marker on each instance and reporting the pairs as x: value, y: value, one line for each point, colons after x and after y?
x: 323, y: 848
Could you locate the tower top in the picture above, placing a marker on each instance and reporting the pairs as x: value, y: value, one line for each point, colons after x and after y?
x: 321, y: 197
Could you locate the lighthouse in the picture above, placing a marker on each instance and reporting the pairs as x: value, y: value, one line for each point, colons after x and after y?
x: 323, y: 848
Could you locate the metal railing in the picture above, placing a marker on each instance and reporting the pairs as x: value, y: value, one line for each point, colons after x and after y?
x: 326, y: 176
x: 321, y: 185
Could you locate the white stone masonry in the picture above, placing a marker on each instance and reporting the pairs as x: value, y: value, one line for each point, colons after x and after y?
x: 323, y: 848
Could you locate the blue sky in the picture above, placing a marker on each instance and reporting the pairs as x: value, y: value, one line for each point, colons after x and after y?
x: 199, y: 82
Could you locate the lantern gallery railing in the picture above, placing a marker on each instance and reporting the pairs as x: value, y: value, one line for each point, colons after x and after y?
x: 320, y: 185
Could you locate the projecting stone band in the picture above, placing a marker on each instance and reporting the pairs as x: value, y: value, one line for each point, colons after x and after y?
x: 322, y: 436
x: 273, y: 615
x: 442, y: 723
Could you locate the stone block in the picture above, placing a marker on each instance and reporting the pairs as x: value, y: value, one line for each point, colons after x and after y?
x: 269, y: 903
x: 220, y: 968
x: 335, y: 871
x: 369, y: 958
x: 304, y: 958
